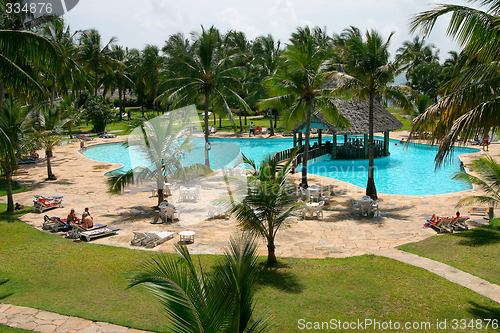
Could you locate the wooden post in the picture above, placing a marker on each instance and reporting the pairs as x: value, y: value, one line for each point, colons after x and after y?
x: 386, y: 143
x: 334, y: 147
x: 319, y: 137
x: 300, y: 139
x: 294, y: 139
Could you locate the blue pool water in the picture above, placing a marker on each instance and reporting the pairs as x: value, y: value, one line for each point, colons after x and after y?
x: 407, y: 171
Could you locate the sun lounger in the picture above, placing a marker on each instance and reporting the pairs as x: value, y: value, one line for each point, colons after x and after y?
x: 138, y: 239
x: 442, y: 225
x: 78, y: 229
x: 83, y: 137
x: 458, y: 223
x: 42, y: 203
x: 106, y: 136
x: 55, y: 224
x: 96, y: 233
x: 154, y: 239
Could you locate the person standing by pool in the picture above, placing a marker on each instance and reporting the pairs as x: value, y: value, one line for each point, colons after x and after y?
x: 486, y: 141
x: 252, y: 129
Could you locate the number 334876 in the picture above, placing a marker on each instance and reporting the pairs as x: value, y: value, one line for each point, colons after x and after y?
x: 40, y: 7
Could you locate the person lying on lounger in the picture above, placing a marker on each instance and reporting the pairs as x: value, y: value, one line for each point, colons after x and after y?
x: 72, y: 217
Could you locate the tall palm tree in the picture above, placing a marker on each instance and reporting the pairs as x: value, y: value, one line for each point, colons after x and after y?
x: 152, y: 72
x: 118, y: 75
x: 13, y: 125
x: 269, y: 202
x: 204, y: 70
x: 268, y: 58
x: 471, y: 100
x: 415, y: 52
x: 94, y: 57
x: 197, y: 301
x: 299, y: 85
x: 369, y: 75
x: 161, y: 146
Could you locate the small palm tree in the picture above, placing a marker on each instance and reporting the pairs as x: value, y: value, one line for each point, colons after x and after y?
x: 489, y: 181
x: 197, y: 301
x: 161, y: 145
x: 269, y: 202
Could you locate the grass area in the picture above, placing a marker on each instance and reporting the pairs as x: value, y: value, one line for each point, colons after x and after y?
x: 6, y: 329
x: 16, y: 188
x: 398, y: 114
x: 88, y: 280
x: 476, y: 251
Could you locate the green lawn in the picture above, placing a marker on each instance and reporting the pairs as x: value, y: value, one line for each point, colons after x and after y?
x: 476, y: 251
x: 6, y: 329
x: 398, y: 114
x: 16, y: 188
x: 88, y: 280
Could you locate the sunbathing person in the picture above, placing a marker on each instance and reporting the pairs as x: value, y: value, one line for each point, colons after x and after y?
x: 72, y: 217
x: 87, y: 221
x: 88, y: 213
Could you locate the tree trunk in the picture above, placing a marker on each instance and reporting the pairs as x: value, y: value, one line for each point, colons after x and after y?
x: 70, y: 130
x: 220, y: 121
x: 95, y: 82
x: 10, y: 199
x: 371, y: 191
x: 120, y: 99
x: 271, y: 255
x: 271, y: 129
x: 50, y: 175
x: 306, y: 146
x: 275, y: 118
x: 161, y: 196
x: 245, y: 117
x: 241, y: 125
x: 207, y: 158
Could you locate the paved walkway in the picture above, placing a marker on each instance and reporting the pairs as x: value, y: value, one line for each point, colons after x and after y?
x: 49, y: 322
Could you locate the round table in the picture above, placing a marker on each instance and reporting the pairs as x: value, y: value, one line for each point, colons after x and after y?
x: 187, y: 236
x: 312, y: 204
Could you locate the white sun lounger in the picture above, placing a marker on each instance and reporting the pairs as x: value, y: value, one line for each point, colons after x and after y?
x: 154, y: 239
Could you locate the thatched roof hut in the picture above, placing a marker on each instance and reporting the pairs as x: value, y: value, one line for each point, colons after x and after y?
x: 357, y: 112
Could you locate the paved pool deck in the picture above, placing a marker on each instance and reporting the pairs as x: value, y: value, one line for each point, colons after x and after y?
x: 340, y: 233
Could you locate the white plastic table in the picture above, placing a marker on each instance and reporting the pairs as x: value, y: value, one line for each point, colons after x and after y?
x: 366, y: 205
x: 187, y: 236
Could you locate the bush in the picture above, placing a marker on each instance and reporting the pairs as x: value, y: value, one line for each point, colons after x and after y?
x: 98, y: 112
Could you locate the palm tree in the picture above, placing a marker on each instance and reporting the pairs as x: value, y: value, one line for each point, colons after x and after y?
x: 471, y: 99
x: 161, y: 146
x: 268, y: 59
x: 70, y: 113
x: 269, y: 201
x: 414, y: 53
x: 489, y: 181
x: 151, y: 72
x: 92, y: 55
x: 203, y: 70
x: 118, y: 75
x: 12, y: 144
x: 368, y: 76
x: 196, y: 301
x: 299, y: 85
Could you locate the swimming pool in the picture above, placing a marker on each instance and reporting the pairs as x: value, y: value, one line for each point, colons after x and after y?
x: 407, y: 171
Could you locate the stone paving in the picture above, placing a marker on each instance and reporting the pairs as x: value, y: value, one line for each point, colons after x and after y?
x: 48, y: 322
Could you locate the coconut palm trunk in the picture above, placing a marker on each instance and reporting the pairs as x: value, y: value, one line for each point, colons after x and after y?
x: 306, y: 146
x: 121, y: 100
x: 48, y: 155
x: 370, y: 186
x: 271, y: 254
x: 207, y: 157
x: 8, y: 184
x: 271, y: 128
